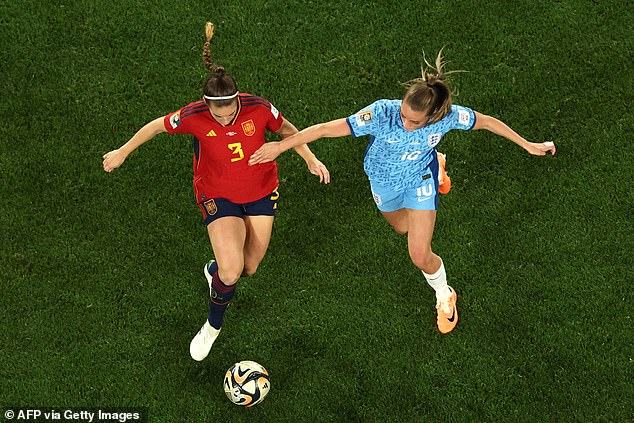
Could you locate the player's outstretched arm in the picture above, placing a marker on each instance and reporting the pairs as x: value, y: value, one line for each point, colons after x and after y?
x: 269, y: 151
x: 500, y: 128
x: 115, y: 158
x: 315, y: 166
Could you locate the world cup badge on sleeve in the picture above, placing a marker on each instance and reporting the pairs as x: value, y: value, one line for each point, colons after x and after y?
x: 248, y: 127
x: 463, y: 117
x: 175, y: 120
x: 210, y: 206
x: 364, y: 117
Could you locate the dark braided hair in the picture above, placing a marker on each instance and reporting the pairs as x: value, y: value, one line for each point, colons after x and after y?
x: 219, y: 83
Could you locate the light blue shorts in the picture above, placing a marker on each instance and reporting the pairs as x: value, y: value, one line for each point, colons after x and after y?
x: 422, y: 197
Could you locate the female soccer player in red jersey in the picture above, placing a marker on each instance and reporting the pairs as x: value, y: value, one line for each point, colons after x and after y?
x: 237, y: 201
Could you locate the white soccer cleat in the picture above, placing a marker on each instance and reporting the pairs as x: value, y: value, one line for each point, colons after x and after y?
x: 201, y: 344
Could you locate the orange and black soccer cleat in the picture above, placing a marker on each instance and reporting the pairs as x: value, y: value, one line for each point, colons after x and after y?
x: 447, y: 313
x: 444, y: 182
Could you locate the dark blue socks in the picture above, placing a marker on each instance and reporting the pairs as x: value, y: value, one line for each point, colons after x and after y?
x: 221, y: 296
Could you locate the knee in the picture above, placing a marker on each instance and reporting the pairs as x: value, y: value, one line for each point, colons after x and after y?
x: 423, y: 259
x: 251, y: 264
x: 249, y: 270
x: 401, y: 231
x: 400, y: 227
x: 230, y: 275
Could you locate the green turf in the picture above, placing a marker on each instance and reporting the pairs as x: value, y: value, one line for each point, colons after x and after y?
x: 102, y: 287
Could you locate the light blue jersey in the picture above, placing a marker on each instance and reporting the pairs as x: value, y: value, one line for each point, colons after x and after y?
x: 397, y: 159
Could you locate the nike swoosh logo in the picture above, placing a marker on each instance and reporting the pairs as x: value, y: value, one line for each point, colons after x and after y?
x: 420, y: 200
x: 453, y: 315
x: 392, y: 141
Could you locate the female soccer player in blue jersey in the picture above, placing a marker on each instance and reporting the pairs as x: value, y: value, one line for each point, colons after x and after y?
x: 402, y: 164
x: 238, y: 203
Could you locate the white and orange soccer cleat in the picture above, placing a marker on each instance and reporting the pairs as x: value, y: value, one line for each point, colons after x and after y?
x: 447, y: 313
x: 444, y: 182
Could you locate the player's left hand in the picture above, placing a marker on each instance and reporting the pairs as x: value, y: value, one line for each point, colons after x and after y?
x: 319, y: 169
x: 267, y: 153
x: 541, y: 148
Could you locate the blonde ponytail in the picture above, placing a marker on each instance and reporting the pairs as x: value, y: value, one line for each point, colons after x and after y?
x: 431, y: 93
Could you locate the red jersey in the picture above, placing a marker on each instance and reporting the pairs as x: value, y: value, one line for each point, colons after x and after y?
x: 221, y: 153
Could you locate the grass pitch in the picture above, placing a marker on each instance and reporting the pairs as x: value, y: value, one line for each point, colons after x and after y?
x: 101, y: 273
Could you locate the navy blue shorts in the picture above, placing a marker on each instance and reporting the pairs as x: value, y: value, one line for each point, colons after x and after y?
x: 215, y: 208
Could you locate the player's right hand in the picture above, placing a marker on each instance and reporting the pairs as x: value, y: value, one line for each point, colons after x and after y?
x: 113, y: 160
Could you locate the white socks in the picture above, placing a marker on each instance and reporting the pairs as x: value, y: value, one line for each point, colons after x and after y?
x: 438, y: 281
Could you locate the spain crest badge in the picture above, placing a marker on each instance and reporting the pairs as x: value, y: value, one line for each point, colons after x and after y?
x: 210, y: 206
x: 248, y: 127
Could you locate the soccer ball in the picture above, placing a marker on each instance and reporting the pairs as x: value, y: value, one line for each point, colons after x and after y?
x: 247, y: 383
